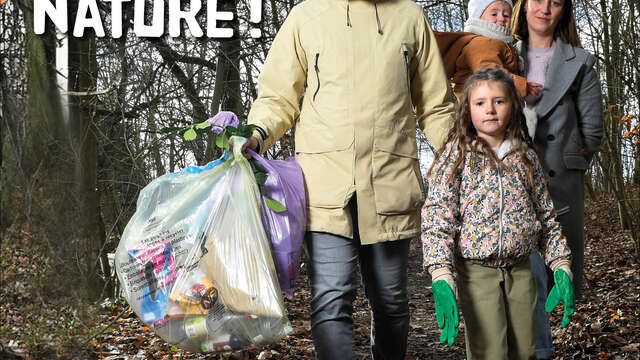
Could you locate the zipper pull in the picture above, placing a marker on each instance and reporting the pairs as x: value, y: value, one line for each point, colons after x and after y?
x: 405, y: 53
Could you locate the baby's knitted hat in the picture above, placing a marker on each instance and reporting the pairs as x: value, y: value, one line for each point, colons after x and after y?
x: 477, y: 7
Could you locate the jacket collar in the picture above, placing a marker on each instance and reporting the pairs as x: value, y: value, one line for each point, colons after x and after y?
x: 560, y: 75
x: 505, y: 148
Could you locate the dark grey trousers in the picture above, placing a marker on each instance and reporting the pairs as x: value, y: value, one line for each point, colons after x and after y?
x: 567, y: 189
x: 544, y: 341
x: 332, y: 272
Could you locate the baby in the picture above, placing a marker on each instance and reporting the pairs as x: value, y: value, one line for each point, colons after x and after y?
x: 485, y: 43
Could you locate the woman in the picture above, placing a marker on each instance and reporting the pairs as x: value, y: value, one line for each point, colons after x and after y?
x: 569, y: 125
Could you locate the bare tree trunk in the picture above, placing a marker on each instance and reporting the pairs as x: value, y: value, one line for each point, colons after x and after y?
x: 82, y: 135
x: 46, y: 159
x: 230, y: 54
x: 614, y: 65
x: 636, y: 172
x: 226, y: 91
x: 12, y: 113
x: 59, y: 168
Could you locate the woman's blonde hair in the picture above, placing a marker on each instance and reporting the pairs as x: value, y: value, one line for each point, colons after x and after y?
x: 463, y: 137
x: 565, y: 30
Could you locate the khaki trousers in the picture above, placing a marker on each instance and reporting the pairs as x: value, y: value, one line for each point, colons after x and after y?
x: 499, y: 308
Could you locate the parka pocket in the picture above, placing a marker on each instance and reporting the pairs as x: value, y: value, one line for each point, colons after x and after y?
x: 574, y: 152
x: 317, y: 140
x: 325, y: 158
x: 397, y: 183
x: 575, y: 161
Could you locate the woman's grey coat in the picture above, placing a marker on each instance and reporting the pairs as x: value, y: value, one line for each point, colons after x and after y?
x: 569, y: 131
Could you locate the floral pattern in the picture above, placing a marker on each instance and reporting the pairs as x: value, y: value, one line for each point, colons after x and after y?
x: 488, y: 215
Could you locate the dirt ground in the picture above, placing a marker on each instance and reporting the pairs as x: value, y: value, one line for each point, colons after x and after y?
x: 606, y: 324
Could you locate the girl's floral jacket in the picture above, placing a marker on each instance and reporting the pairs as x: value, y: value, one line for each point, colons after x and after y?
x: 487, y: 215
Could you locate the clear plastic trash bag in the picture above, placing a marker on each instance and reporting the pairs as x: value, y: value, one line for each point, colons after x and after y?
x: 195, y: 263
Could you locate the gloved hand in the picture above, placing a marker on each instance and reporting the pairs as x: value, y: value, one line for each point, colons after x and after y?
x: 446, y: 311
x: 562, y: 290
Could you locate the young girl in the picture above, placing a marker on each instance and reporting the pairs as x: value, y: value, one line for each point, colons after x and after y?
x: 485, y: 42
x: 487, y: 209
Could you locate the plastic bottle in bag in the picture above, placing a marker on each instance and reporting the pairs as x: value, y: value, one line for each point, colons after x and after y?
x: 260, y: 330
x: 200, y: 327
x: 217, y: 333
x: 173, y: 331
x: 225, y: 342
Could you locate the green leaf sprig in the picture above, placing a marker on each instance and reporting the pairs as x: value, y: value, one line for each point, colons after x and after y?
x: 188, y: 132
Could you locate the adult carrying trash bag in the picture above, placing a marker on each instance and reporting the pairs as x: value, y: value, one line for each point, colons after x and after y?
x: 195, y: 262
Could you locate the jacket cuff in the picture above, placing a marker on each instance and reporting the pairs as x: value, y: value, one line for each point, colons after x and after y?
x: 440, y: 273
x: 560, y: 208
x: 261, y: 136
x: 444, y: 273
x: 564, y: 264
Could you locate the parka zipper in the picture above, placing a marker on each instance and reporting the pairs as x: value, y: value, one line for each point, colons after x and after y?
x: 405, y: 54
x: 317, y: 77
x: 501, y: 212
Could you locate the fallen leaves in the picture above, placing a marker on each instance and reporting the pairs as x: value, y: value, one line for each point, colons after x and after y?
x: 606, y: 324
x: 607, y: 319
x: 631, y: 347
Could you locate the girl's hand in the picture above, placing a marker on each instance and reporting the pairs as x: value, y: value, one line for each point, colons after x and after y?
x: 446, y: 311
x: 534, y: 89
x: 562, y: 290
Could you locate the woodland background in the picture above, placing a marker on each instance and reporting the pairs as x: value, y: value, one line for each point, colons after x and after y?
x: 78, y: 143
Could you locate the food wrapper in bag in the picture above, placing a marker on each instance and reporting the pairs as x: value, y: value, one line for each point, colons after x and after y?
x: 285, y: 184
x: 176, y: 230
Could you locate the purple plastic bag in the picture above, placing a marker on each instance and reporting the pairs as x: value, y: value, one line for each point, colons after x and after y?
x: 286, y: 185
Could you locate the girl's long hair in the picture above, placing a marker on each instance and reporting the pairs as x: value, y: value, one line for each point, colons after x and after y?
x: 463, y: 136
x: 566, y: 28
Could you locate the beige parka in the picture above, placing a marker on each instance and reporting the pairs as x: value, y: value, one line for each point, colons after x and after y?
x: 361, y: 66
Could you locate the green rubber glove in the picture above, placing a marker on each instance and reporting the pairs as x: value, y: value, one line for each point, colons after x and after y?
x: 562, y: 290
x: 446, y: 311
